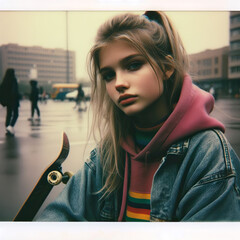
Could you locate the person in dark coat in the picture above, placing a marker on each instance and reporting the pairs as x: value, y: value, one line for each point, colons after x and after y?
x: 10, y: 99
x: 80, y: 98
x: 34, y: 97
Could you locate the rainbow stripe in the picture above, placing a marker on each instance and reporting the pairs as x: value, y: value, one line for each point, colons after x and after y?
x: 138, y: 207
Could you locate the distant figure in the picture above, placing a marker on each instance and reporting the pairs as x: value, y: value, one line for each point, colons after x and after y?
x: 33, y: 73
x: 80, y: 98
x: 10, y: 98
x: 43, y: 95
x: 34, y: 96
x: 213, y: 92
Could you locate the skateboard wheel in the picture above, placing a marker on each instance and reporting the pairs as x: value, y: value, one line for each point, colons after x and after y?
x: 66, y: 177
x: 54, y: 177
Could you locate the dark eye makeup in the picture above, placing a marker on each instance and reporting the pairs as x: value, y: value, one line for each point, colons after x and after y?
x: 134, y: 65
x: 108, y: 75
x: 131, y: 63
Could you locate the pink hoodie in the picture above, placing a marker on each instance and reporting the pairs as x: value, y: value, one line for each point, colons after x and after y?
x: 190, y: 116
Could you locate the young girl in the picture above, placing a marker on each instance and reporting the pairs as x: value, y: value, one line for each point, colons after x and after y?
x: 161, y: 156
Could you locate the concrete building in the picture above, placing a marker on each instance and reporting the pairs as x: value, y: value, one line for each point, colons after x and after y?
x: 210, y: 67
x: 234, y: 53
x: 52, y: 65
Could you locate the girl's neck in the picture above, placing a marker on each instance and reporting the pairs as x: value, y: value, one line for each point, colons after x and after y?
x: 151, y: 117
x: 143, y: 136
x: 154, y: 126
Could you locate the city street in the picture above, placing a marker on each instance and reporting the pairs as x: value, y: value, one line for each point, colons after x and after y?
x: 24, y: 157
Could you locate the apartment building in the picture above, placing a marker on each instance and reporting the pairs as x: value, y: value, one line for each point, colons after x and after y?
x: 234, y: 52
x: 210, y: 67
x: 52, y: 65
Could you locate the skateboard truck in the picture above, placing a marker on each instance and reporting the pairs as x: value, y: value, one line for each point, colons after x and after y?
x: 51, y: 176
x: 56, y: 177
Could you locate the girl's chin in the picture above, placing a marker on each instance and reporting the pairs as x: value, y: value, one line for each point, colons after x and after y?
x: 132, y: 112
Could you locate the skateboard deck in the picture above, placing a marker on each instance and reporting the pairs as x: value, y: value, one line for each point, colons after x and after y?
x: 51, y: 176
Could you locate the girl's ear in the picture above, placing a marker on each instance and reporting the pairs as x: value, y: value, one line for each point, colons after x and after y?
x: 169, y: 70
x: 169, y: 73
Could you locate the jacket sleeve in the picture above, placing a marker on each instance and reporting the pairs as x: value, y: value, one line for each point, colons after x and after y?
x: 79, y: 199
x: 211, y: 187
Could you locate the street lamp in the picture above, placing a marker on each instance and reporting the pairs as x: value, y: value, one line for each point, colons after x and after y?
x: 67, y: 54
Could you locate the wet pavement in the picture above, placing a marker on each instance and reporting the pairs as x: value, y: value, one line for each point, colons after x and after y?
x: 228, y: 112
x: 24, y: 157
x: 35, y: 145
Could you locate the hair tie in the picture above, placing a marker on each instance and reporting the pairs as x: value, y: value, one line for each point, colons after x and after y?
x: 153, y: 16
x: 149, y: 19
x: 145, y: 16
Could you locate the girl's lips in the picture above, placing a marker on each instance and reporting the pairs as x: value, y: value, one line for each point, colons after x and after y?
x: 127, y: 99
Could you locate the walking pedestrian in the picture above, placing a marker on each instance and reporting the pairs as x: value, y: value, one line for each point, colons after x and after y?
x: 161, y: 156
x: 213, y: 92
x: 43, y: 95
x: 10, y: 97
x: 80, y: 98
x: 34, y: 96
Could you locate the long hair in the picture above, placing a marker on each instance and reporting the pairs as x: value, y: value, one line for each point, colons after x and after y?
x: 9, y: 79
x: 154, y: 36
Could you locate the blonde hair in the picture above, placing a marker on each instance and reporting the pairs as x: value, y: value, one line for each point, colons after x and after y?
x: 154, y: 36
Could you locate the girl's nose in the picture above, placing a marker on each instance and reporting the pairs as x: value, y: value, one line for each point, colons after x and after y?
x: 121, y: 82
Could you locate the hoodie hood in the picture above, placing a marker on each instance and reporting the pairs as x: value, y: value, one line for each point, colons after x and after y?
x: 190, y: 116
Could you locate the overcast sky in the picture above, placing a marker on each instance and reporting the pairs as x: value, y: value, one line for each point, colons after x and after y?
x: 200, y: 30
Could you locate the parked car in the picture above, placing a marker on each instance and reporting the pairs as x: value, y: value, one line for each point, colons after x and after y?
x: 61, y: 96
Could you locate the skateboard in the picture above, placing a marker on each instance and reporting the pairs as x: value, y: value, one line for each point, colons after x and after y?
x: 51, y: 176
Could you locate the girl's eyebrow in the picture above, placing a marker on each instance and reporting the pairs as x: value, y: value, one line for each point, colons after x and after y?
x: 122, y: 61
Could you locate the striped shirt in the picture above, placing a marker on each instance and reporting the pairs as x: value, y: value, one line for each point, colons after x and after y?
x: 139, y: 194
x: 138, y: 208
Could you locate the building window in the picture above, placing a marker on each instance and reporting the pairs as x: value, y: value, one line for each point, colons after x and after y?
x: 235, y: 69
x: 235, y: 45
x: 235, y: 19
x: 235, y: 32
x: 207, y: 62
x: 235, y: 58
x: 216, y: 71
x: 216, y: 60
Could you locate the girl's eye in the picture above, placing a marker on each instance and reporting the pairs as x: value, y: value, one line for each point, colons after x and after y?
x: 108, y: 76
x: 134, y: 66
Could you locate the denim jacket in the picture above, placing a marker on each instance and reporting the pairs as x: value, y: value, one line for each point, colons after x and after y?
x: 197, y: 180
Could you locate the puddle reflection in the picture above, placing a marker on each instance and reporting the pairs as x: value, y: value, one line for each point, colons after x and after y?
x: 35, y: 123
x: 35, y: 126
x: 11, y: 155
x: 11, y: 147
